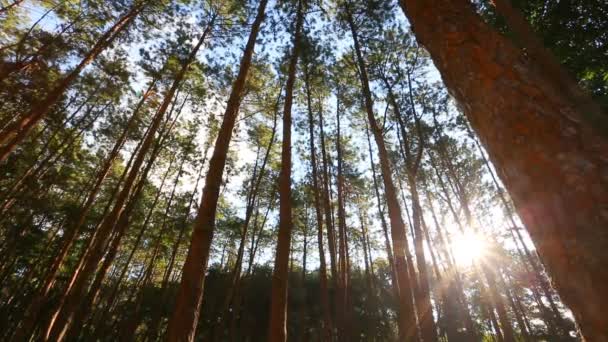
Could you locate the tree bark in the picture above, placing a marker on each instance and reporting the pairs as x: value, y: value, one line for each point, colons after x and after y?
x: 62, y: 318
x: 407, y: 321
x: 541, y: 143
x: 277, y: 329
x: 183, y: 322
x: 33, y: 308
x: 550, y: 67
x: 327, y: 327
x: 412, y: 163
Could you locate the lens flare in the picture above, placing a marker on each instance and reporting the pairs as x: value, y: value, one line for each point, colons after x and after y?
x: 468, y: 248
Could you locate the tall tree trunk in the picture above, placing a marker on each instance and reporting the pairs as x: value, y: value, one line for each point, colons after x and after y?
x: 62, y: 318
x: 387, y: 243
x: 183, y: 322
x: 341, y: 291
x: 17, y: 131
x: 412, y: 162
x: 327, y: 327
x: 407, y: 321
x: 33, y: 308
x: 156, y: 320
x: 331, y: 236
x: 508, y: 104
x: 277, y: 329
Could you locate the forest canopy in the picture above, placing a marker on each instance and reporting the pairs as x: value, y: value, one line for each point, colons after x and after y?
x: 303, y: 170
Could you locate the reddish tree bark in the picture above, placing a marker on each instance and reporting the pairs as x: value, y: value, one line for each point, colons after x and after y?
x: 325, y: 306
x: 412, y: 160
x: 62, y: 319
x: 18, y: 130
x: 407, y: 321
x: 183, y: 322
x: 548, y: 154
x: 33, y: 308
x: 277, y: 329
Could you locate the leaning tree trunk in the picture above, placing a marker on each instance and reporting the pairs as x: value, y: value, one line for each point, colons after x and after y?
x: 548, y: 64
x: 183, y: 322
x: 34, y: 306
x: 548, y: 154
x: 277, y: 330
x: 412, y: 163
x: 17, y: 131
x: 407, y: 318
x: 64, y: 316
x: 387, y: 243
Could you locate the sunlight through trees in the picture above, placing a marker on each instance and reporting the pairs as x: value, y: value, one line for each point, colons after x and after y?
x: 338, y: 170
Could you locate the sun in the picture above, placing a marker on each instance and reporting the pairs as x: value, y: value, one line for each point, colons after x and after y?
x: 468, y: 247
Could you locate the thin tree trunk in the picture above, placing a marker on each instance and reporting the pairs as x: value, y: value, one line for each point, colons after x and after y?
x: 17, y: 131
x: 389, y: 250
x: 488, y: 272
x: 277, y: 328
x: 366, y: 263
x: 156, y: 320
x: 455, y: 280
x: 33, y: 308
x: 114, y: 292
x: 327, y: 326
x: 331, y: 237
x: 62, y: 318
x: 407, y: 321
x: 93, y: 294
x: 341, y: 292
x: 525, y: 334
x: 44, y: 165
x: 255, y: 244
x: 412, y: 162
x: 256, y: 180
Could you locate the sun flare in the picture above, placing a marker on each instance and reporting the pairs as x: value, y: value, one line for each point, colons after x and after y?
x: 468, y: 247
